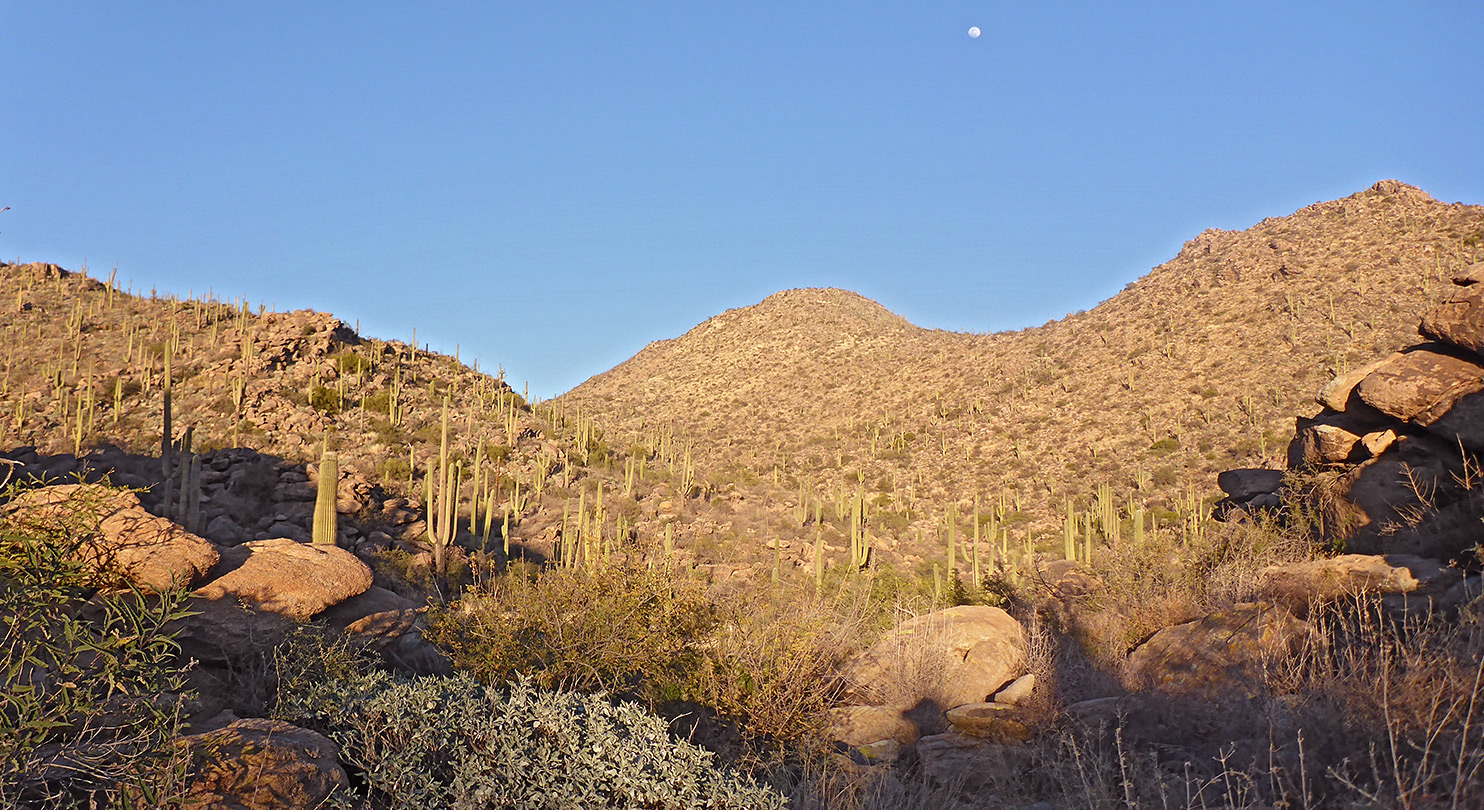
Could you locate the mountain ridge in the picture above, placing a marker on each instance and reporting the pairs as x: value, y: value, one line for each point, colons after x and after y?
x: 1189, y: 369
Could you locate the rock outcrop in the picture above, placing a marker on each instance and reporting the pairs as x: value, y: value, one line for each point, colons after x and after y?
x: 1390, y: 464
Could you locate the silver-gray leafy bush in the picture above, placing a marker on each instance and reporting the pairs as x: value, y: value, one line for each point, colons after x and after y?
x: 448, y: 742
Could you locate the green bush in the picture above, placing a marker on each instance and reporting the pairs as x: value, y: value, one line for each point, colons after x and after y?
x: 1168, y: 444
x: 87, y: 711
x: 352, y: 363
x: 325, y: 400
x: 437, y: 742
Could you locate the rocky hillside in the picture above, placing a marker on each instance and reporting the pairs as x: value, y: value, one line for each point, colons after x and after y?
x: 257, y: 395
x: 1197, y: 367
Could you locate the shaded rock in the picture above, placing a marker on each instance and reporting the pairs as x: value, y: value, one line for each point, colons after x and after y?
x: 1223, y: 651
x: 223, y: 631
x: 374, y: 600
x: 1463, y: 593
x: 398, y: 636
x: 222, y: 530
x: 1098, y: 710
x: 960, y: 655
x: 996, y: 722
x: 288, y: 578
x: 1420, y: 384
x: 1245, y: 484
x: 862, y: 725
x: 1297, y: 584
x: 958, y: 761
x: 1386, y: 504
x: 149, y: 551
x: 260, y: 765
x: 1463, y: 423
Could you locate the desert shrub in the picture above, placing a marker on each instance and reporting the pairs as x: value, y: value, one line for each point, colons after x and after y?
x: 440, y: 742
x: 86, y: 712
x: 622, y: 627
x: 324, y: 400
x: 352, y: 363
x: 771, y: 664
x: 379, y: 402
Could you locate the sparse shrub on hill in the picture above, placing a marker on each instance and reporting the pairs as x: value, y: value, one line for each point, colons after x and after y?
x: 445, y: 742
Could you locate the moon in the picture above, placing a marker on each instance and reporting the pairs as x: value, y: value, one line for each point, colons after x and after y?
x: 974, y: 32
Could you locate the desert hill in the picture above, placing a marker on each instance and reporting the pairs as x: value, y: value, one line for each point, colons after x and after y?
x: 1197, y: 367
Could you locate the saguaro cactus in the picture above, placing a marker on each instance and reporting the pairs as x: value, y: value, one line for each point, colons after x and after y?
x: 325, y: 519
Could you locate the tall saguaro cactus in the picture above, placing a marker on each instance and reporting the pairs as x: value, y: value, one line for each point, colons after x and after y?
x: 441, y: 503
x: 325, y: 519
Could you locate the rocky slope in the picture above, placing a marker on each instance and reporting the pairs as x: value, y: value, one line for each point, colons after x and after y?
x: 1196, y: 367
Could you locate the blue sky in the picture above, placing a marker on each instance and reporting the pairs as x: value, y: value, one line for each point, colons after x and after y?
x: 551, y: 185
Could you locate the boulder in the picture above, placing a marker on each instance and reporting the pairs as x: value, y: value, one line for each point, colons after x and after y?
x: 260, y: 765
x: 224, y: 632
x: 1298, y: 584
x: 1459, y: 318
x: 862, y: 725
x: 398, y: 636
x: 1339, y: 394
x: 223, y: 531
x: 1018, y: 692
x: 1383, y: 505
x: 951, y: 657
x: 121, y: 536
x: 291, y: 579
x: 1318, y: 443
x: 958, y: 761
x: 1099, y: 711
x: 1221, y: 652
x: 1378, y: 441
x: 1463, y: 423
x: 1421, y: 384
x: 374, y: 600
x: 996, y: 722
x: 1245, y: 484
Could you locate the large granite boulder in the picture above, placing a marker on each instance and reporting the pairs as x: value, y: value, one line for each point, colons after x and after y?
x: 259, y: 589
x: 951, y: 657
x: 292, y: 579
x: 1296, y: 585
x: 1459, y: 318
